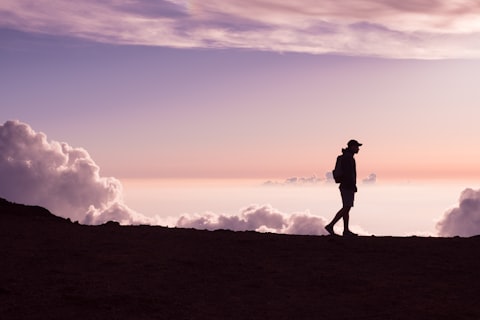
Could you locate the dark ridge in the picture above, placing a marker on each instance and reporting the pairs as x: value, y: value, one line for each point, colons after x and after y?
x: 52, y: 270
x: 16, y: 210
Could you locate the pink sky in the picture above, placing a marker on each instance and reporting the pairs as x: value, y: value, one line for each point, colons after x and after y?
x: 251, y: 89
x: 67, y: 181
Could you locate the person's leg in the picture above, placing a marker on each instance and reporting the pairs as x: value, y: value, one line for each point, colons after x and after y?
x: 348, y: 198
x: 343, y: 213
x: 346, y: 218
x: 340, y: 214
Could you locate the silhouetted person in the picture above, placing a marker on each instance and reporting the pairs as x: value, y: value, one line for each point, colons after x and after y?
x: 348, y: 187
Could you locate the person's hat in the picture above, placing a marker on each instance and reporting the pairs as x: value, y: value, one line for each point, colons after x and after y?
x: 354, y: 143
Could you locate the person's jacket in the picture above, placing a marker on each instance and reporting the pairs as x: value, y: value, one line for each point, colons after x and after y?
x: 349, y: 170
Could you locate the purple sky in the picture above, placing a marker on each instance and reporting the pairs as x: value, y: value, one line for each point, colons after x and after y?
x: 406, y: 29
x: 248, y: 89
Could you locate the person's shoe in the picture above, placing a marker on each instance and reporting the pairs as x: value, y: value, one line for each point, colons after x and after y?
x: 329, y: 229
x: 348, y: 233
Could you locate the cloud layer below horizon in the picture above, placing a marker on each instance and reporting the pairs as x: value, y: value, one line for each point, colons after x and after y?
x: 63, y: 179
x: 261, y: 218
x: 423, y: 29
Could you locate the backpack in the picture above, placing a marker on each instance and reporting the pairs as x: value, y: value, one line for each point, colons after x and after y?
x: 338, y: 171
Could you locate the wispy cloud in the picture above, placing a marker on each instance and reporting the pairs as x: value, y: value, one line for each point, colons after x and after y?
x: 295, y: 181
x: 61, y: 178
x: 371, y: 179
x: 314, y: 180
x: 426, y: 29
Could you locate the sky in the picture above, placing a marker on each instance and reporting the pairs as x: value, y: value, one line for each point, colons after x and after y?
x: 251, y: 89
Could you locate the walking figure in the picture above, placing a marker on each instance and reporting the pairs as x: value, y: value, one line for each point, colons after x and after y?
x: 345, y: 173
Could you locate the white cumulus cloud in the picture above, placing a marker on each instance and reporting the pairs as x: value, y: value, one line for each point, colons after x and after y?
x: 59, y: 177
x: 463, y: 220
x: 262, y: 218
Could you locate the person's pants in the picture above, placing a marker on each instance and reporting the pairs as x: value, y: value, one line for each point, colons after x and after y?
x: 348, y: 197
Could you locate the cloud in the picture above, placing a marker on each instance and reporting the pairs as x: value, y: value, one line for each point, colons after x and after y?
x: 387, y: 28
x: 314, y: 180
x: 295, y: 181
x: 371, y: 179
x: 463, y: 220
x: 61, y: 178
x: 329, y: 177
x: 257, y: 218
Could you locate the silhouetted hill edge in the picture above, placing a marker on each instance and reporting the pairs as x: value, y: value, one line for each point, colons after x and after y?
x: 17, y: 210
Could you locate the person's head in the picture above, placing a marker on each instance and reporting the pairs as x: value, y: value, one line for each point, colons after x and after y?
x: 354, y: 145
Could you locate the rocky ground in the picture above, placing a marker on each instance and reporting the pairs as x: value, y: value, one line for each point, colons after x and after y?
x: 51, y: 268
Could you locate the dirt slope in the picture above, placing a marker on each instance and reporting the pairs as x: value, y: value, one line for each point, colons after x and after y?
x: 51, y: 268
